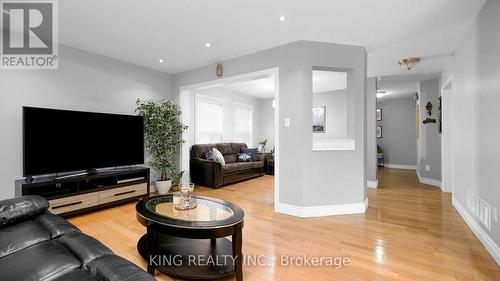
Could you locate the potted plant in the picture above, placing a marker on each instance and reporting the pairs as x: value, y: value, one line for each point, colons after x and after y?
x: 162, y: 135
x: 262, y: 145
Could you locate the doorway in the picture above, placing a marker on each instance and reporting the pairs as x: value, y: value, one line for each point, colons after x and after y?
x: 447, y: 136
x: 189, y: 95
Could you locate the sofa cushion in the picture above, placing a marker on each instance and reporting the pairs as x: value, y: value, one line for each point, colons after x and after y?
x: 19, y: 209
x: 218, y: 156
x: 44, y: 261
x: 55, y: 225
x: 84, y: 247
x: 230, y: 158
x: 240, y: 166
x: 76, y: 275
x: 31, y: 232
x: 244, y: 157
x: 252, y: 151
x: 198, y: 150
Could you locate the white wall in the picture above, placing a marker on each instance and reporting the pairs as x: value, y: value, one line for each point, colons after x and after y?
x: 430, y: 139
x: 307, y: 178
x: 229, y: 98
x: 475, y: 72
x: 84, y: 81
x: 336, y: 114
x: 265, y: 114
x: 399, y: 140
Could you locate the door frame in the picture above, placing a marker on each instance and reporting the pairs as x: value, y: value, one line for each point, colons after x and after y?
x: 447, y: 161
x: 186, y: 92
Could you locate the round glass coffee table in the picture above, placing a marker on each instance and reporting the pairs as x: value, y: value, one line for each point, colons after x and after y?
x: 191, y: 244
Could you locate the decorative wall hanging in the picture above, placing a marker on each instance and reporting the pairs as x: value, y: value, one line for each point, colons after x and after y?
x: 218, y: 70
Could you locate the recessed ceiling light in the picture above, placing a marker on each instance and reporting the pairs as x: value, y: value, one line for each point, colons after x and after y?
x: 208, y: 45
x: 160, y: 60
x: 282, y: 18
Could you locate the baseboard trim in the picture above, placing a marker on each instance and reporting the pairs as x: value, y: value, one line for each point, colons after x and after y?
x: 372, y: 184
x: 321, y: 211
x: 397, y: 166
x: 480, y: 233
x: 430, y: 181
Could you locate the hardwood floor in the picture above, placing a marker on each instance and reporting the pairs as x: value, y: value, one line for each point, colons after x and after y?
x: 409, y: 232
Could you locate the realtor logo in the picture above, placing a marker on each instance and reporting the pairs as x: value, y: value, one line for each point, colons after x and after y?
x: 29, y: 35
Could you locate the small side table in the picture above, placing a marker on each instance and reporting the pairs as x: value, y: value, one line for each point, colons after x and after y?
x: 380, y: 160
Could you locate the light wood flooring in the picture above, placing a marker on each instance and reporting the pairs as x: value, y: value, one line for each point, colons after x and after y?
x: 409, y: 232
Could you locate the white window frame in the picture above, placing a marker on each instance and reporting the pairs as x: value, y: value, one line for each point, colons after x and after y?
x: 247, y: 106
x: 207, y: 99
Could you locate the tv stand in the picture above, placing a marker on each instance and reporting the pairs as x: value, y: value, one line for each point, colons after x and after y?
x: 87, y: 172
x: 76, y: 193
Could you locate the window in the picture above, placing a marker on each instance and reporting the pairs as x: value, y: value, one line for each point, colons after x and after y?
x: 242, y: 124
x: 209, y: 118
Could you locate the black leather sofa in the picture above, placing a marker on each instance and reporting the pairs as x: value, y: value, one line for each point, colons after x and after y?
x: 38, y: 245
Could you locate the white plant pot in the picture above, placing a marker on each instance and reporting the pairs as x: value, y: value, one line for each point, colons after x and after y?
x: 162, y: 187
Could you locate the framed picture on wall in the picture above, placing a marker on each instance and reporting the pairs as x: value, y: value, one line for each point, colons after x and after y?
x: 379, y: 114
x: 319, y: 119
x: 379, y: 132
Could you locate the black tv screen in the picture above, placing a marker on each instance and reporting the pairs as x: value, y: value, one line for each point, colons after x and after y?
x: 62, y: 141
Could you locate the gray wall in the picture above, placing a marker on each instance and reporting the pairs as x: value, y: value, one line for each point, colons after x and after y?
x: 84, y: 81
x: 307, y: 178
x: 266, y: 120
x: 430, y: 139
x: 398, y: 130
x: 229, y: 98
x: 476, y: 70
x: 371, y: 140
x: 336, y: 114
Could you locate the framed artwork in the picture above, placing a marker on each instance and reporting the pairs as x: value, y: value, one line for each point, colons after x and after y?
x: 319, y: 119
x: 379, y: 132
x: 379, y: 114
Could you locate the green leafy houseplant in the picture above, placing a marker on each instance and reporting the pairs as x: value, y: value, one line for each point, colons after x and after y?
x: 263, y: 144
x: 162, y: 135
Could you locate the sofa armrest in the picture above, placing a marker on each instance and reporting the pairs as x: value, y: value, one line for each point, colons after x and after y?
x: 21, y: 208
x: 205, y: 172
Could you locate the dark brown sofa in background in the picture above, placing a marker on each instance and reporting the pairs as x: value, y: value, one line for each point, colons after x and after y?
x: 214, y: 174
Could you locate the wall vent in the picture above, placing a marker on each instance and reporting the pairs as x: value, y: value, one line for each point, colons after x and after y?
x: 479, y: 208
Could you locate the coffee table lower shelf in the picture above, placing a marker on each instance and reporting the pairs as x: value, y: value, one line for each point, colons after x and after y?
x: 180, y: 257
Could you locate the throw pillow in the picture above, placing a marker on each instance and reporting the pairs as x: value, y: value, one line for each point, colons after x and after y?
x: 209, y: 155
x: 218, y: 156
x: 244, y: 157
x: 252, y: 151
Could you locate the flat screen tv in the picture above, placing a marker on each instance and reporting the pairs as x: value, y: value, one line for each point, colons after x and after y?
x: 56, y: 141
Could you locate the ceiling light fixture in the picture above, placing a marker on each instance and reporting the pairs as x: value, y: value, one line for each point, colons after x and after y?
x: 208, y: 45
x: 160, y: 60
x: 409, y: 63
x: 282, y: 18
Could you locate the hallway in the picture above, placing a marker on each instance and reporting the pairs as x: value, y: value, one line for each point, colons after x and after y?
x: 428, y: 237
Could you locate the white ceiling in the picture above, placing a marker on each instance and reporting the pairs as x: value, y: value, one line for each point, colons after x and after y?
x: 142, y: 32
x: 402, y: 85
